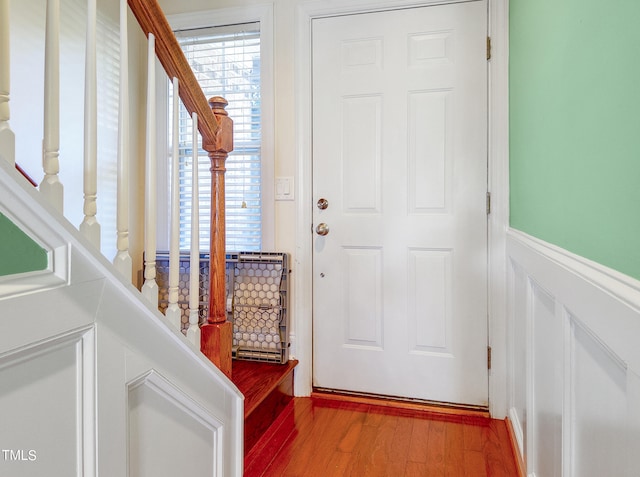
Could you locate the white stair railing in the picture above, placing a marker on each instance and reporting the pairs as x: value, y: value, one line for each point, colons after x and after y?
x: 193, y: 332
x: 51, y: 187
x: 204, y: 121
x: 122, y: 260
x: 150, y: 287
x: 90, y: 227
x: 7, y: 139
x: 173, y: 313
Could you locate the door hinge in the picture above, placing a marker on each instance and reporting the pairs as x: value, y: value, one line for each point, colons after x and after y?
x: 489, y: 357
x: 488, y: 203
x: 488, y: 48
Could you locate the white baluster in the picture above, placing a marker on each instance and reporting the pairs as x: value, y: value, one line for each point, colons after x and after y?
x: 90, y: 227
x: 7, y: 138
x: 150, y: 287
x: 51, y: 187
x: 122, y: 260
x: 193, y: 332
x: 173, y: 310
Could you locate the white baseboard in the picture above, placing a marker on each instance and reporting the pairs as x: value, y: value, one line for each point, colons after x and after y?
x: 516, y: 427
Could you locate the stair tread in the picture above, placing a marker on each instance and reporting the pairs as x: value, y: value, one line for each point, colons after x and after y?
x: 256, y: 380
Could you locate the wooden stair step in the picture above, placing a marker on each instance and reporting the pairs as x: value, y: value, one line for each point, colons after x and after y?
x: 267, y: 389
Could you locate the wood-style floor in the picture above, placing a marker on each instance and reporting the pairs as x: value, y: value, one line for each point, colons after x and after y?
x: 325, y: 437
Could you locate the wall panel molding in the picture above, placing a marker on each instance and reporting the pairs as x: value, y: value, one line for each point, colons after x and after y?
x: 169, y: 431
x: 573, y: 327
x: 55, y: 380
x: 23, y: 206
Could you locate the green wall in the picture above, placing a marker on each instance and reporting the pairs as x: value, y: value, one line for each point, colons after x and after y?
x: 18, y: 252
x: 575, y: 126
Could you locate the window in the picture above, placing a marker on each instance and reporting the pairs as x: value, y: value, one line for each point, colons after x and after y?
x: 227, y: 62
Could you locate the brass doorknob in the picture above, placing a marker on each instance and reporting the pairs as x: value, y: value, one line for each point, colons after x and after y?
x: 322, y: 229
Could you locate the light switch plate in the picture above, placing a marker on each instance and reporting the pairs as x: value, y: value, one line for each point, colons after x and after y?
x: 284, y: 188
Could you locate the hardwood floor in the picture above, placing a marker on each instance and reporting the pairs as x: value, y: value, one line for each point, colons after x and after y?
x: 324, y: 437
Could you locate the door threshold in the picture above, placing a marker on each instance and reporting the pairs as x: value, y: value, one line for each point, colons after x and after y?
x: 399, y: 402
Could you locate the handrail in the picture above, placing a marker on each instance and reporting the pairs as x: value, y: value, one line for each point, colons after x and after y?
x: 152, y: 20
x: 216, y: 129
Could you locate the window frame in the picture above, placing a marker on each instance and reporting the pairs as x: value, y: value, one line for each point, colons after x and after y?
x: 213, y: 18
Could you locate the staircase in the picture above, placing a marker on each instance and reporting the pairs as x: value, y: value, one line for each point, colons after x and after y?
x: 125, y: 390
x: 95, y: 381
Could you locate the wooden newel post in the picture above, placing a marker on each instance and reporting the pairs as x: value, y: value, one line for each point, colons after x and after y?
x: 216, y: 334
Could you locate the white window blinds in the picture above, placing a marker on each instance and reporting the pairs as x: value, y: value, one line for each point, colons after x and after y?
x: 226, y: 62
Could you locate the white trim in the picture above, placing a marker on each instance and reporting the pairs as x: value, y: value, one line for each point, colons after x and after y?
x: 516, y: 427
x: 87, y: 395
x: 172, y: 393
x: 164, y: 388
x: 529, y: 449
x: 323, y: 8
x: 498, y: 163
x: 568, y: 385
x: 28, y: 217
x: 588, y: 290
x: 229, y: 16
x: 623, y: 287
x: 302, y: 343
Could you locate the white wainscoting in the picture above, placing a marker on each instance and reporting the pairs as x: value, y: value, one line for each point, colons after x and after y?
x: 574, y: 362
x: 47, y: 412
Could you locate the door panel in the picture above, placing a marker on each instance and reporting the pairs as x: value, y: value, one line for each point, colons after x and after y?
x: 400, y: 154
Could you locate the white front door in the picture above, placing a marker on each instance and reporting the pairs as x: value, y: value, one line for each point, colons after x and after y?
x: 400, y: 156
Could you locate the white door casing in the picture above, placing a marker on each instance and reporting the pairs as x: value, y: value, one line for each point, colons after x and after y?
x: 399, y: 121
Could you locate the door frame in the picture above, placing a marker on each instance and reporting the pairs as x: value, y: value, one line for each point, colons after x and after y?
x: 498, y: 186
